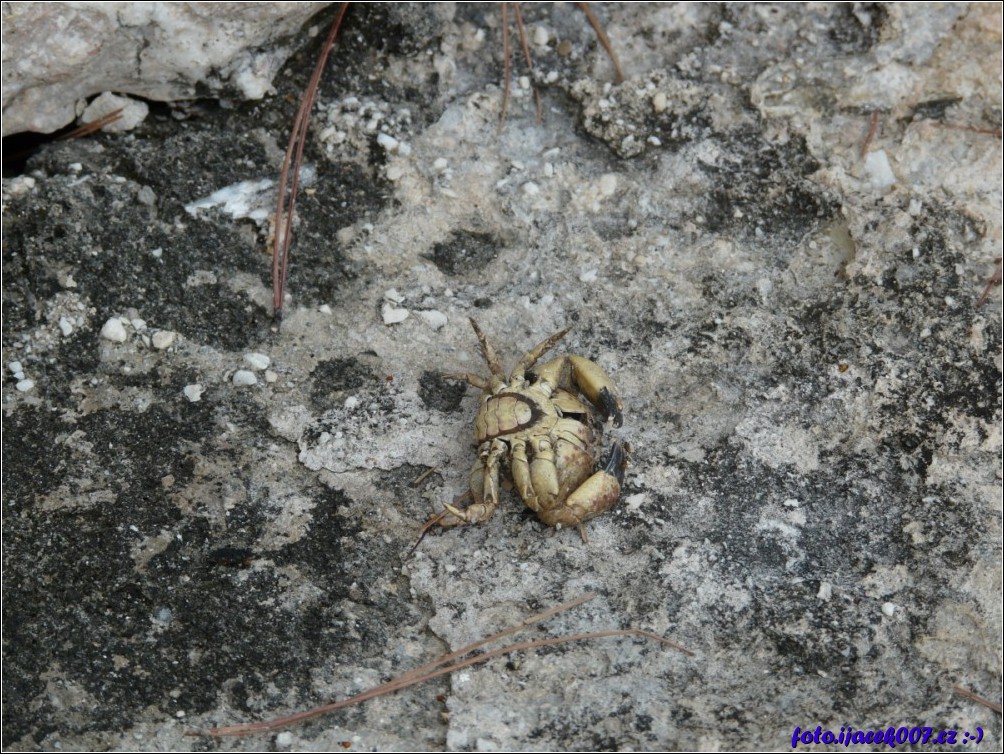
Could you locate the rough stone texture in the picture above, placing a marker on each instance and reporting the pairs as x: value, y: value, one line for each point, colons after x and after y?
x: 812, y: 396
x: 55, y: 54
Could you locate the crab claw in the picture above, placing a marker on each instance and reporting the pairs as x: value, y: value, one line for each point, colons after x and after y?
x: 617, y: 463
x: 577, y: 374
x: 610, y: 406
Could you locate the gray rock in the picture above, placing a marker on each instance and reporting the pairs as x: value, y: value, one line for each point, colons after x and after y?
x: 811, y: 394
x: 55, y: 54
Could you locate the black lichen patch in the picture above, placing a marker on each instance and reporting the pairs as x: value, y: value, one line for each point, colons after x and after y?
x: 167, y: 630
x: 464, y: 252
x: 813, y: 637
x: 334, y: 379
x: 439, y: 393
x: 33, y: 464
x: 398, y: 29
x: 113, y: 247
x: 858, y: 27
x: 220, y: 317
x: 375, y: 36
x: 319, y: 267
x: 761, y: 188
x: 935, y: 109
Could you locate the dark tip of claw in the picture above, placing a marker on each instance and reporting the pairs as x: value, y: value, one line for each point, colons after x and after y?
x: 618, y: 461
x: 611, y: 406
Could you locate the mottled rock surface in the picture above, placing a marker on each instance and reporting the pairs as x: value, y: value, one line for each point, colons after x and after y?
x: 773, y: 236
x: 57, y: 54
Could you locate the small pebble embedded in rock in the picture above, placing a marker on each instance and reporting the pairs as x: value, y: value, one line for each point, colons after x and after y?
x: 244, y: 378
x: 114, y: 330
x: 194, y: 392
x: 163, y: 339
x: 392, y: 315
x: 434, y: 318
x: 257, y: 361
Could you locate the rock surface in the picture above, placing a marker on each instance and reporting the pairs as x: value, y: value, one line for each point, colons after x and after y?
x: 811, y: 393
x: 55, y: 54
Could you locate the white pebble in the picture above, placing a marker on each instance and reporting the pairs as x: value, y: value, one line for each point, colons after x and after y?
x: 659, y: 102
x: 15, y: 367
x: 825, y: 591
x: 139, y: 325
x: 434, y: 318
x: 65, y: 326
x: 889, y: 609
x: 244, y: 378
x: 25, y: 385
x: 608, y: 184
x: 257, y: 361
x: 878, y: 170
x: 392, y: 314
x: 194, y: 392
x: 530, y: 188
x: 388, y: 142
x: 114, y: 330
x: 540, y: 36
x: 146, y: 196
x: 394, y: 173
x: 163, y: 339
x: 588, y: 276
x: 133, y: 112
x: 324, y: 309
x: 634, y: 502
x: 21, y: 185
x: 351, y: 402
x: 391, y: 294
x: 270, y: 376
x: 440, y: 164
x: 284, y: 739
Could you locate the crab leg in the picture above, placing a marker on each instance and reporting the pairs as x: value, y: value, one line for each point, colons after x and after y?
x: 491, y: 358
x: 484, y: 489
x: 471, y: 379
x: 578, y: 374
x: 531, y: 356
x: 520, y: 467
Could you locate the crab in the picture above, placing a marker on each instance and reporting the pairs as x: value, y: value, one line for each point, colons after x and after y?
x: 533, y: 426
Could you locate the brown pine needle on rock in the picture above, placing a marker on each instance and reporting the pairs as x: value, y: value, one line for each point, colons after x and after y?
x: 85, y: 129
x: 602, y: 36
x: 506, y: 65
x: 994, y: 280
x: 977, y: 698
x: 283, y: 231
x: 873, y: 124
x: 525, y: 46
x: 442, y: 666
